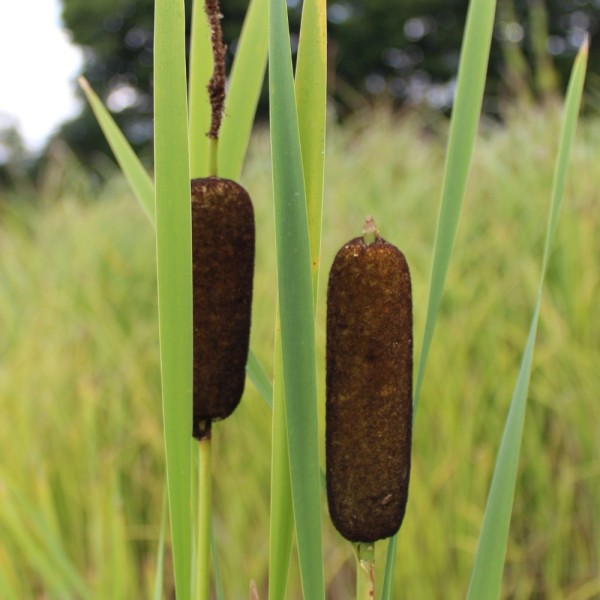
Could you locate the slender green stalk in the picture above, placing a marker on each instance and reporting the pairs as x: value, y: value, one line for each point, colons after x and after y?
x: 213, y: 153
x: 388, y: 578
x: 204, y: 519
x: 365, y: 571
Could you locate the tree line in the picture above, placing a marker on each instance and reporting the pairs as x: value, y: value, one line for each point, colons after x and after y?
x: 404, y: 52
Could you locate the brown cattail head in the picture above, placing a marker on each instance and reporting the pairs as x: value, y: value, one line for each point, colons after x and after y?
x: 223, y: 269
x: 369, y: 388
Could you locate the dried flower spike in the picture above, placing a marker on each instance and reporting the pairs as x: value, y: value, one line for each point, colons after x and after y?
x: 223, y: 269
x: 369, y: 387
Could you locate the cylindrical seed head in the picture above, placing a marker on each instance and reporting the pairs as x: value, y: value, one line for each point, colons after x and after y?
x: 223, y: 269
x: 369, y: 389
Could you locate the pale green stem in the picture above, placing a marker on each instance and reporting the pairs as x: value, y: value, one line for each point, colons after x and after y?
x: 370, y: 233
x: 213, y: 150
x: 365, y: 571
x: 204, y: 519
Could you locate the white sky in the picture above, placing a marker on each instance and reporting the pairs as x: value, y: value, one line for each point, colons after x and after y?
x: 37, y: 68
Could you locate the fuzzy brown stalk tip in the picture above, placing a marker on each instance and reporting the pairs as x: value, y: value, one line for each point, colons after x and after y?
x: 216, y: 85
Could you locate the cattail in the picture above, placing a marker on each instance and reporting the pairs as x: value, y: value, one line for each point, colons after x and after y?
x: 223, y: 268
x: 369, y: 388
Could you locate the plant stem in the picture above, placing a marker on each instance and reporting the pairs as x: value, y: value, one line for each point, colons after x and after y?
x: 204, y: 519
x: 365, y: 571
x: 213, y: 149
x: 370, y: 232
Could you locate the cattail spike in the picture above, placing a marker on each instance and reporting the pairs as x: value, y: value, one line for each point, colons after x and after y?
x: 223, y: 269
x: 369, y: 388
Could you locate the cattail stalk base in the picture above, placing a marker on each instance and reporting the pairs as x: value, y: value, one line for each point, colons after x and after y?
x: 204, y: 519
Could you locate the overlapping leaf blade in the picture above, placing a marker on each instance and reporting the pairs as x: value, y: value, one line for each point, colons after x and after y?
x: 132, y: 168
x: 295, y: 303
x: 311, y: 97
x: 311, y: 100
x: 174, y: 259
x: 486, y: 577
x: 463, y: 129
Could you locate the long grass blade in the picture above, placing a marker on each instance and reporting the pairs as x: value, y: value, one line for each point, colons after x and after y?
x: 281, y: 514
x: 259, y: 378
x: 311, y: 78
x: 296, y: 304
x: 174, y: 259
x: 245, y: 84
x: 132, y: 168
x: 486, y: 577
x: 201, y: 66
x: 39, y: 543
x: 463, y: 129
x: 311, y: 99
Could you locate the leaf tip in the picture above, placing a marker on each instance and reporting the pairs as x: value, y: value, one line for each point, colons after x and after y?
x: 84, y: 85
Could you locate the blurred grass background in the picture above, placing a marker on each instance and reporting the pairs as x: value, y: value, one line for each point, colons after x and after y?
x: 81, y: 473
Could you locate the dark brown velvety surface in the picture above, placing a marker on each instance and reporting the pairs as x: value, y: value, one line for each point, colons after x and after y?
x: 369, y: 389
x: 223, y: 269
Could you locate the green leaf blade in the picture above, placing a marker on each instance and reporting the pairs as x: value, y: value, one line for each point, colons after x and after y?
x: 486, y: 576
x: 174, y: 259
x: 132, y: 168
x: 296, y: 305
x: 311, y: 98
x: 463, y: 130
x: 281, y: 514
x: 258, y: 377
